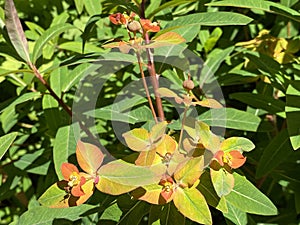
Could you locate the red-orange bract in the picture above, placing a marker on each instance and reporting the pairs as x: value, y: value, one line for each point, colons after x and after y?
x: 234, y: 158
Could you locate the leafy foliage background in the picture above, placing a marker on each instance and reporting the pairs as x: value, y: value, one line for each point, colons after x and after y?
x: 259, y: 81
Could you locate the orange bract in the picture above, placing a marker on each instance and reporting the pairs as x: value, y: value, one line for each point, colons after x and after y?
x: 117, y: 18
x: 234, y: 158
x: 149, y: 26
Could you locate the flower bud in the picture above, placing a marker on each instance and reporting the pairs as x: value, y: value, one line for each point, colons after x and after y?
x: 134, y: 26
x: 188, y: 85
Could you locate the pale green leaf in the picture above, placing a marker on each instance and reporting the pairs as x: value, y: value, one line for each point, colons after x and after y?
x: 267, y: 6
x: 49, y: 34
x: 237, y: 143
x: 246, y: 197
x: 6, y: 141
x: 231, y: 118
x: 64, y: 146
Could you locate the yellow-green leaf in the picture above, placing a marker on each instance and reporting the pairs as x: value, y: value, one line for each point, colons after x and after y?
x: 89, y: 157
x: 191, y: 203
x: 237, y: 143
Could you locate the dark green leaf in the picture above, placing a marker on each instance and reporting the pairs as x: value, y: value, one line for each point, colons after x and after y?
x: 276, y: 151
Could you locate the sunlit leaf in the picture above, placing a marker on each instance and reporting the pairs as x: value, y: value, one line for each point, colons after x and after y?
x: 191, y: 203
x: 121, y: 172
x: 267, y: 6
x: 57, y: 197
x: 189, y: 171
x: 237, y: 143
x: 52, y: 32
x: 111, y: 187
x: 149, y: 193
x: 207, y: 138
x: 166, y: 39
x: 248, y: 198
x: 15, y: 31
x: 137, y: 139
x: 222, y: 180
x: 209, y: 103
x: 6, y: 141
x: 89, y: 157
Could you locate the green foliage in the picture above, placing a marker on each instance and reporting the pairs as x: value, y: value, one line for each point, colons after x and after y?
x: 90, y: 135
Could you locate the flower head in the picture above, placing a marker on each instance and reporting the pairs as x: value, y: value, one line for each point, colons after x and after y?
x: 168, y: 188
x: 117, y: 18
x: 234, y: 159
x: 74, y: 178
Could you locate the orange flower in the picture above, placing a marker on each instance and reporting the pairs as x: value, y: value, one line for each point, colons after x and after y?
x: 234, y: 158
x: 74, y: 178
x: 168, y: 188
x: 149, y: 26
x: 117, y: 18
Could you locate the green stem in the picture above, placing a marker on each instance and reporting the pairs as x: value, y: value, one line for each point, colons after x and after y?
x: 182, y: 128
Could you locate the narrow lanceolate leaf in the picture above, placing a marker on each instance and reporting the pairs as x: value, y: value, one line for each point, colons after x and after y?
x: 267, y: 6
x: 15, y: 31
x: 49, y: 34
x: 211, y: 19
x: 64, y: 146
x: 292, y: 110
x: 89, y: 157
x: 231, y: 118
x: 6, y: 141
x: 191, y: 203
x: 237, y: 143
x: 248, y: 198
x: 276, y: 151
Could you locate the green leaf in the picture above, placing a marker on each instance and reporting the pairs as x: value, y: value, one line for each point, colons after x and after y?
x: 49, y: 34
x: 135, y: 214
x: 166, y: 39
x: 211, y: 19
x: 191, y: 203
x: 237, y: 216
x: 223, y: 181
x: 112, y: 213
x: 45, y: 216
x: 246, y: 197
x: 93, y: 7
x: 168, y: 5
x: 277, y: 150
x: 64, y: 146
x: 6, y: 141
x: 207, y: 189
x: 79, y: 5
x: 15, y: 31
x: 260, y: 101
x: 237, y: 143
x: 231, y: 118
x: 121, y: 172
x: 293, y: 112
x: 267, y: 6
x: 36, y: 162
x: 207, y: 138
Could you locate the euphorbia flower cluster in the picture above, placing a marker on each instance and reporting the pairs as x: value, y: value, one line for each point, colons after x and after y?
x: 134, y: 23
x: 234, y: 159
